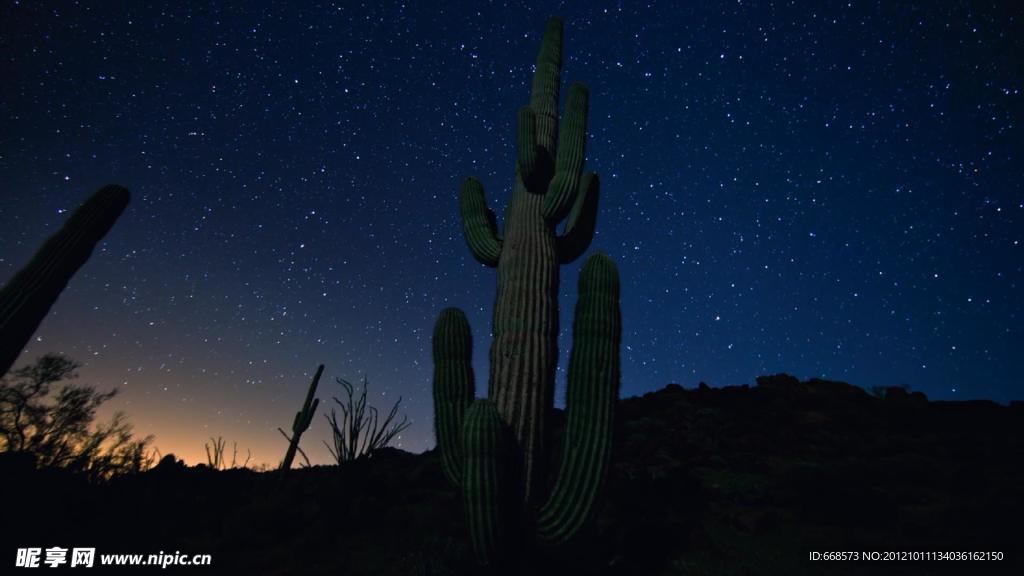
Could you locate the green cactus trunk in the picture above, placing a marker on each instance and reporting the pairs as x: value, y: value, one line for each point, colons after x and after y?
x: 524, y: 353
x: 496, y: 448
x: 29, y: 295
x: 549, y: 185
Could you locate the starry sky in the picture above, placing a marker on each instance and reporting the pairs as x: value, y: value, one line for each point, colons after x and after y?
x: 820, y: 188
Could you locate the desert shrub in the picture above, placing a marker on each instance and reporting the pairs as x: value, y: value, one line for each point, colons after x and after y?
x: 360, y: 432
x: 216, y: 458
x: 55, y: 421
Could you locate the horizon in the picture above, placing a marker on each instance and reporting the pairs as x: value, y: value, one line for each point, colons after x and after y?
x: 198, y: 455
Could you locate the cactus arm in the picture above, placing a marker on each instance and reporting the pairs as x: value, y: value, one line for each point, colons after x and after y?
x: 594, y: 375
x: 579, y: 228
x: 479, y: 223
x: 454, y: 387
x: 302, y: 420
x: 309, y: 406
x: 572, y: 146
x: 27, y: 297
x: 546, y: 80
x: 308, y: 414
x: 490, y: 487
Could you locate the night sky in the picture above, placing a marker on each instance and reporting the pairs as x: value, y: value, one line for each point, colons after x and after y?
x: 825, y: 189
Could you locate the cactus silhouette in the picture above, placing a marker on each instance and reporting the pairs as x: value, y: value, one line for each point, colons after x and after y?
x: 302, y: 419
x: 28, y: 296
x: 494, y: 449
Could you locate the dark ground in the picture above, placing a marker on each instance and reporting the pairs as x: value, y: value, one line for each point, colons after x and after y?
x: 737, y: 480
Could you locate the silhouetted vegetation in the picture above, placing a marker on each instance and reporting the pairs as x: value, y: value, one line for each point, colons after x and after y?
x: 710, y: 481
x: 216, y: 458
x: 360, y: 432
x: 301, y: 422
x: 52, y: 420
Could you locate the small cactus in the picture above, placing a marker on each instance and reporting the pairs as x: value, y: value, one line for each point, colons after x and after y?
x: 302, y: 419
x: 27, y: 297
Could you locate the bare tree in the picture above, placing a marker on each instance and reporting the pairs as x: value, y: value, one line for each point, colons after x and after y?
x: 360, y: 432
x: 57, y: 426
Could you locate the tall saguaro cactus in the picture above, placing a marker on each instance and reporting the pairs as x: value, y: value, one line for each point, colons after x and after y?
x: 476, y: 453
x: 28, y: 296
x: 549, y: 185
x: 302, y: 420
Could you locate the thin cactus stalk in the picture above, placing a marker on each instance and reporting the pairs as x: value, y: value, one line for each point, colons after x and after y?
x: 27, y: 297
x: 549, y: 187
x: 302, y: 419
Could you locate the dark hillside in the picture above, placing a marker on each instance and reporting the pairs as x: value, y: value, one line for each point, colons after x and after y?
x: 735, y: 480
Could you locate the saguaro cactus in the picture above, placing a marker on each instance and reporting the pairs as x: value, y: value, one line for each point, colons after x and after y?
x: 549, y: 186
x: 302, y: 419
x: 29, y: 295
